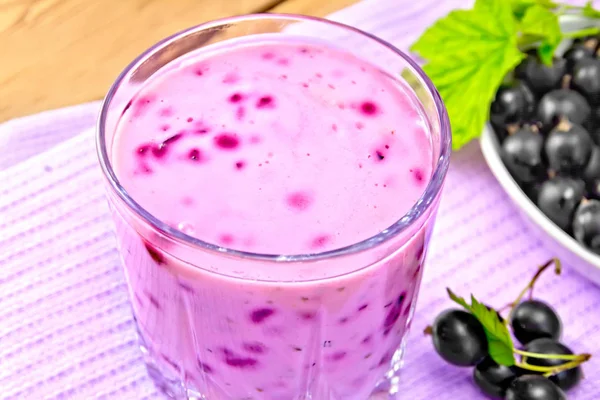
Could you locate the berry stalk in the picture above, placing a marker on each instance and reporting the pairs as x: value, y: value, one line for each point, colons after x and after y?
x: 532, y: 282
x: 571, y: 357
x: 549, y: 371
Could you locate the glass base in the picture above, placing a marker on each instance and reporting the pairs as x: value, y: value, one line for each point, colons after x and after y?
x: 174, y: 387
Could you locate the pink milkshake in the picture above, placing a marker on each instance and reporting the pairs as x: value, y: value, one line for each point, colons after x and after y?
x: 267, y: 261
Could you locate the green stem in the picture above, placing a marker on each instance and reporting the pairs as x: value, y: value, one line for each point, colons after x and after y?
x: 529, y: 42
x: 562, y: 10
x: 562, y: 367
x: 529, y: 287
x: 568, y: 357
x: 566, y: 7
x: 548, y: 371
x: 582, y: 33
x: 534, y: 368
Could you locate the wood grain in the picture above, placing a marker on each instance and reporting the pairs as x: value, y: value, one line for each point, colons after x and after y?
x: 61, y: 52
x: 317, y: 8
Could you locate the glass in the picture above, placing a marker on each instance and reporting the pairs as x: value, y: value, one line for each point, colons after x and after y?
x: 193, y: 318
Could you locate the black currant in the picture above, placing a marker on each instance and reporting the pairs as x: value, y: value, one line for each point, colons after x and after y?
x: 513, y: 104
x: 493, y: 379
x: 595, y: 134
x: 540, y: 77
x: 564, y: 379
x: 577, y: 52
x: 532, y: 190
x: 563, y: 103
x: 591, y: 41
x: 586, y: 78
x: 534, y: 319
x: 586, y: 224
x: 459, y: 338
x: 568, y: 148
x: 501, y: 132
x: 595, y: 125
x: 533, y: 387
x: 591, y: 174
x: 558, y: 198
x: 522, y: 154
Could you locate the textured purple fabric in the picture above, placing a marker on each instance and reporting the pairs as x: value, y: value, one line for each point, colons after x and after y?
x: 66, y: 330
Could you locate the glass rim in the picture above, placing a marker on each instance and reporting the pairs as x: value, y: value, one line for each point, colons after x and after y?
x: 421, y: 205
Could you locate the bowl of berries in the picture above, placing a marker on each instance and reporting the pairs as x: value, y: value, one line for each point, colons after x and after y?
x: 542, y: 145
x: 533, y: 98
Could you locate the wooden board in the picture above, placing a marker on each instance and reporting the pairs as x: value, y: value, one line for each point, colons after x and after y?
x: 317, y: 8
x: 55, y: 53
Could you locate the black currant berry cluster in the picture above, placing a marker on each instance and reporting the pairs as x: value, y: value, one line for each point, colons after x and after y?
x: 541, y: 369
x: 548, y: 122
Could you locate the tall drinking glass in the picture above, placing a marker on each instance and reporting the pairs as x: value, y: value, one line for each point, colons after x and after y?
x: 274, y: 183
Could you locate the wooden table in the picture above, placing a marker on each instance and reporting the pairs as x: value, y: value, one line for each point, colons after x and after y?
x: 55, y: 53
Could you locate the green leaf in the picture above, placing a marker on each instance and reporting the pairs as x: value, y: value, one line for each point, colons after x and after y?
x: 468, y: 53
x: 546, y: 52
x: 541, y: 23
x: 520, y: 7
x: 500, y: 344
x: 499, y: 341
x: 458, y: 300
x: 589, y: 10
